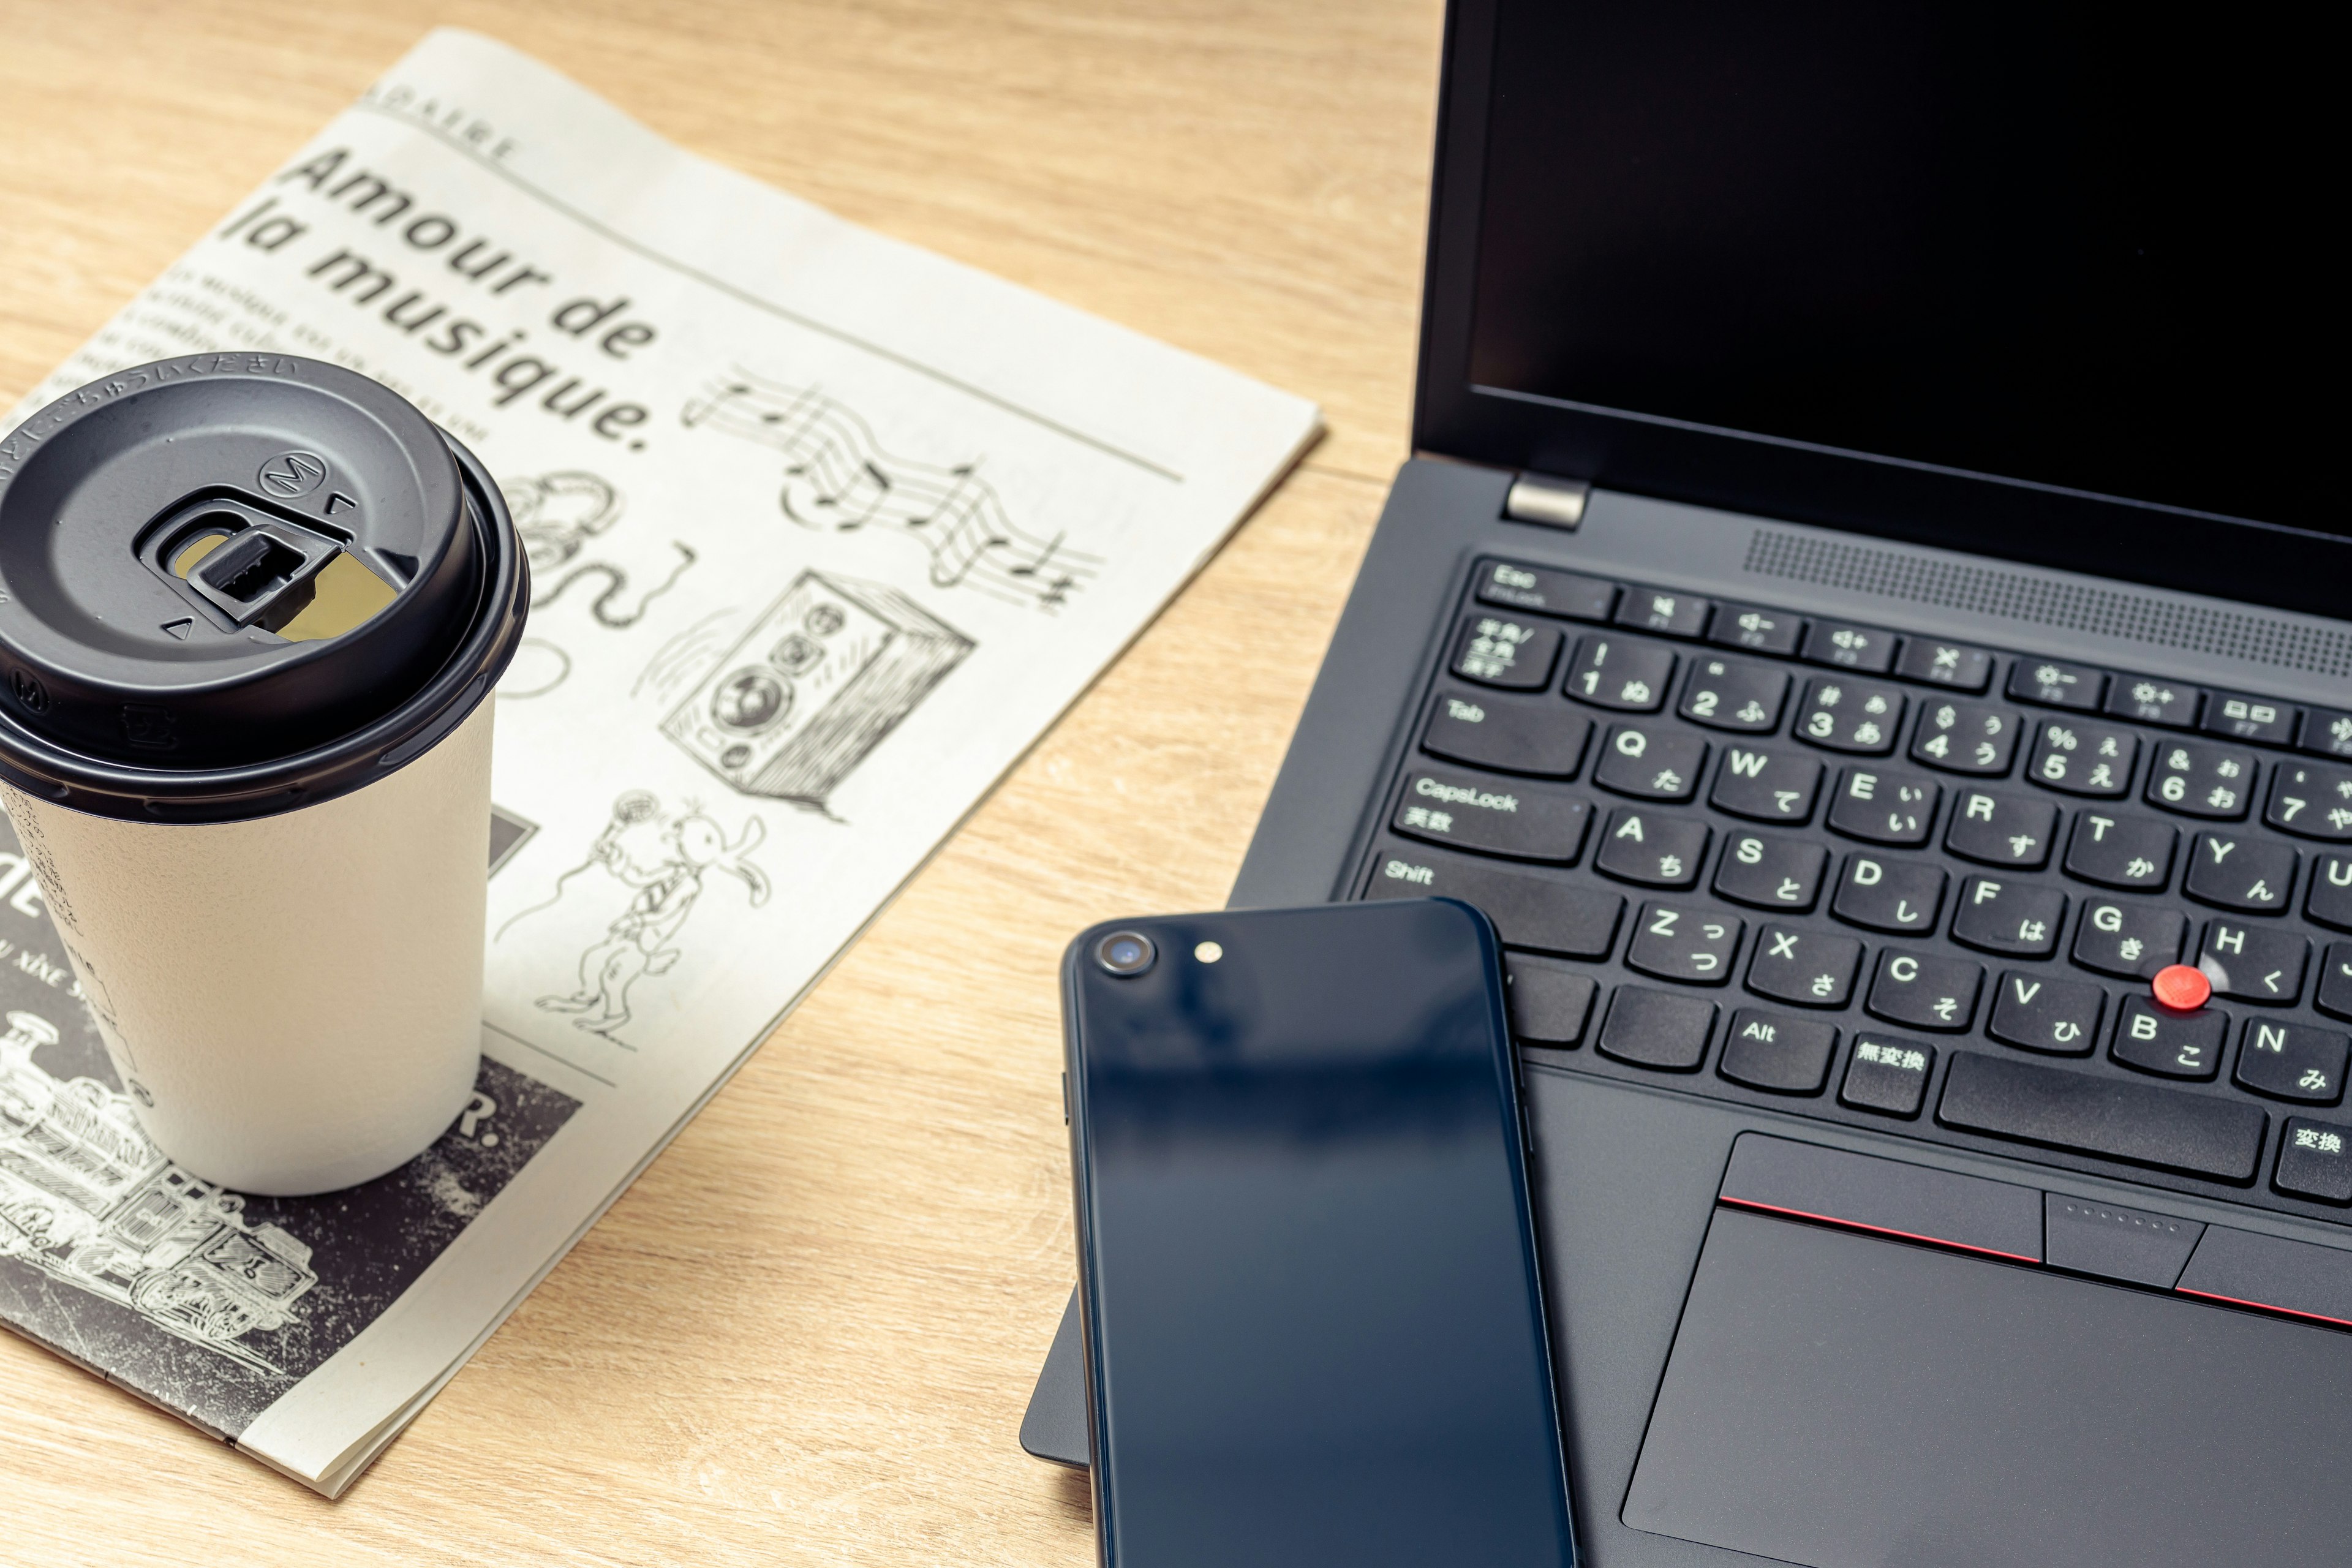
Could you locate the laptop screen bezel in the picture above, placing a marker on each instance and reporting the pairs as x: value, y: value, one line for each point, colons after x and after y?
x: 2169, y: 547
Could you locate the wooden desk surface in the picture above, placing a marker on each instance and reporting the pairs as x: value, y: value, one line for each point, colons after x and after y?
x: 807, y: 1334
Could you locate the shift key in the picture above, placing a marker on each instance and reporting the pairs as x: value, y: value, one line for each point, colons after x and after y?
x: 2172, y: 1129
x: 1529, y: 910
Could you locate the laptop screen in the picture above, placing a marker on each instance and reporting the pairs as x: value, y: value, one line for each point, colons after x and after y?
x: 2068, y: 247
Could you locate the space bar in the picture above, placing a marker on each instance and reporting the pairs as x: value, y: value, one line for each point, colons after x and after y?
x: 2195, y: 1133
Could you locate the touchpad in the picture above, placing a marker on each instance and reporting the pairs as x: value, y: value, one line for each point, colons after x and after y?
x: 1841, y: 1401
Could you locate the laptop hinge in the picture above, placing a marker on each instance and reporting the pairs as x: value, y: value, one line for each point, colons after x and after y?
x: 1555, y: 503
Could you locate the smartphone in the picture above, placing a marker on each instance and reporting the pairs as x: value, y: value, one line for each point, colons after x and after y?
x: 1313, y: 1315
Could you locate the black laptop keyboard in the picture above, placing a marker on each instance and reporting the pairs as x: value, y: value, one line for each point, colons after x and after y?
x: 1968, y: 894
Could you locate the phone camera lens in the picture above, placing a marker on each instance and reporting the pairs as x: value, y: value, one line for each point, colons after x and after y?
x: 1124, y: 953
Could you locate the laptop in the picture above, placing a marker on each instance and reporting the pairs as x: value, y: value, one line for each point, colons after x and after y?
x: 1869, y: 616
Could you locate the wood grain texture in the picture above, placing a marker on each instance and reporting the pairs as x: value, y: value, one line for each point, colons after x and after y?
x: 808, y: 1332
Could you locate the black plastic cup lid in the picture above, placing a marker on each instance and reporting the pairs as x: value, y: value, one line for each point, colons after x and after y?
x: 232, y: 584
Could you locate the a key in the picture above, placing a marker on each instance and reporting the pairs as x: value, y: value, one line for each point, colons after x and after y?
x: 1779, y: 1054
x: 1650, y: 762
x: 1530, y: 909
x: 1925, y: 991
x: 1886, y: 894
x: 1540, y: 736
x: 2171, y: 1045
x: 2036, y: 1013
x: 1493, y: 817
x: 2082, y: 758
x: 1629, y: 676
x: 2254, y: 963
x: 2019, y: 918
x: 1655, y: 850
x: 1734, y: 694
x: 2311, y: 799
x: 1501, y: 650
x: 2334, y: 995
x: 2002, y: 829
x: 1661, y: 610
x: 1695, y: 946
x: 2331, y: 892
x: 1764, y: 631
x: 2250, y: 718
x: 2239, y: 871
x: 1865, y: 648
x: 2133, y: 941
x: 2288, y: 1061
x: 1766, y: 786
x: 1549, y: 1001
x: 1666, y: 1030
x: 1948, y: 664
x: 1845, y: 715
x: 2055, y: 685
x: 2315, y: 1161
x: 2196, y: 779
x: 2134, y: 853
x: 1541, y: 591
x: 1884, y: 806
x: 1887, y: 1074
x: 1810, y: 969
x: 1974, y: 738
x: 1766, y: 872
x: 2144, y: 1124
x: 2325, y: 731
x: 2169, y: 703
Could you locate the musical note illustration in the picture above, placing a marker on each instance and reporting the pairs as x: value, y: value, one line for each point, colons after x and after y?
x: 837, y: 477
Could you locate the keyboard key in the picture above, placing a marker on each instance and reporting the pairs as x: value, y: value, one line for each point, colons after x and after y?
x: 2083, y: 758
x: 1944, y: 664
x: 1492, y: 816
x: 1734, y: 694
x: 1776, y: 1052
x: 1551, y: 1002
x: 1528, y: 908
x: 1810, y: 969
x: 2254, y: 963
x: 1889, y: 895
x: 1620, y: 673
x: 2251, y: 717
x: 1495, y: 651
x: 1884, y: 806
x: 2336, y: 980
x: 2055, y: 685
x: 2312, y: 800
x: 1887, y: 1074
x: 2145, y: 1124
x: 2325, y: 731
x: 2036, y: 1013
x: 2173, y: 1044
x: 2315, y: 1161
x: 1925, y: 991
x: 2151, y: 701
x: 1865, y: 648
x: 1541, y: 591
x: 1762, y: 631
x: 1843, y: 715
x: 1651, y: 762
x: 1662, y: 610
x: 1766, y: 786
x: 2133, y: 941
x: 2287, y: 1061
x: 1769, y: 873
x: 2197, y: 780
x: 1965, y: 738
x: 1516, y: 735
x: 2239, y: 871
x: 1661, y: 1029
x: 1695, y: 946
x: 2002, y: 829
x: 1656, y: 851
x: 2134, y: 853
x: 2331, y: 892
x: 2017, y: 919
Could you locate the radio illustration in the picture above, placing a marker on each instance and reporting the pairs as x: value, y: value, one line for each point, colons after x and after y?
x: 816, y: 683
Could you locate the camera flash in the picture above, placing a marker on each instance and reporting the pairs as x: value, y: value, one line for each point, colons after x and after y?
x: 1208, y: 953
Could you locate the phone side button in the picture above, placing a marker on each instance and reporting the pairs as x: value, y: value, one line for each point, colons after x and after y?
x: 1656, y: 1029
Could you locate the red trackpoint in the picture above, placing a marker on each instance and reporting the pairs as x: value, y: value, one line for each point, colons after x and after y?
x: 2181, y: 989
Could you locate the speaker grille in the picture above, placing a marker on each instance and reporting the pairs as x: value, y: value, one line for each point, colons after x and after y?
x: 2044, y: 601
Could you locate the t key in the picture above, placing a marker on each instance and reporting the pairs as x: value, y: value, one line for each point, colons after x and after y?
x: 2134, y: 853
x: 1695, y: 946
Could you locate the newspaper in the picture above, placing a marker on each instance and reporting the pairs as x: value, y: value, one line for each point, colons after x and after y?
x: 824, y: 531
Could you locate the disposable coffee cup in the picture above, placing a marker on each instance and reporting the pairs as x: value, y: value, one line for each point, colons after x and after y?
x: 251, y: 608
